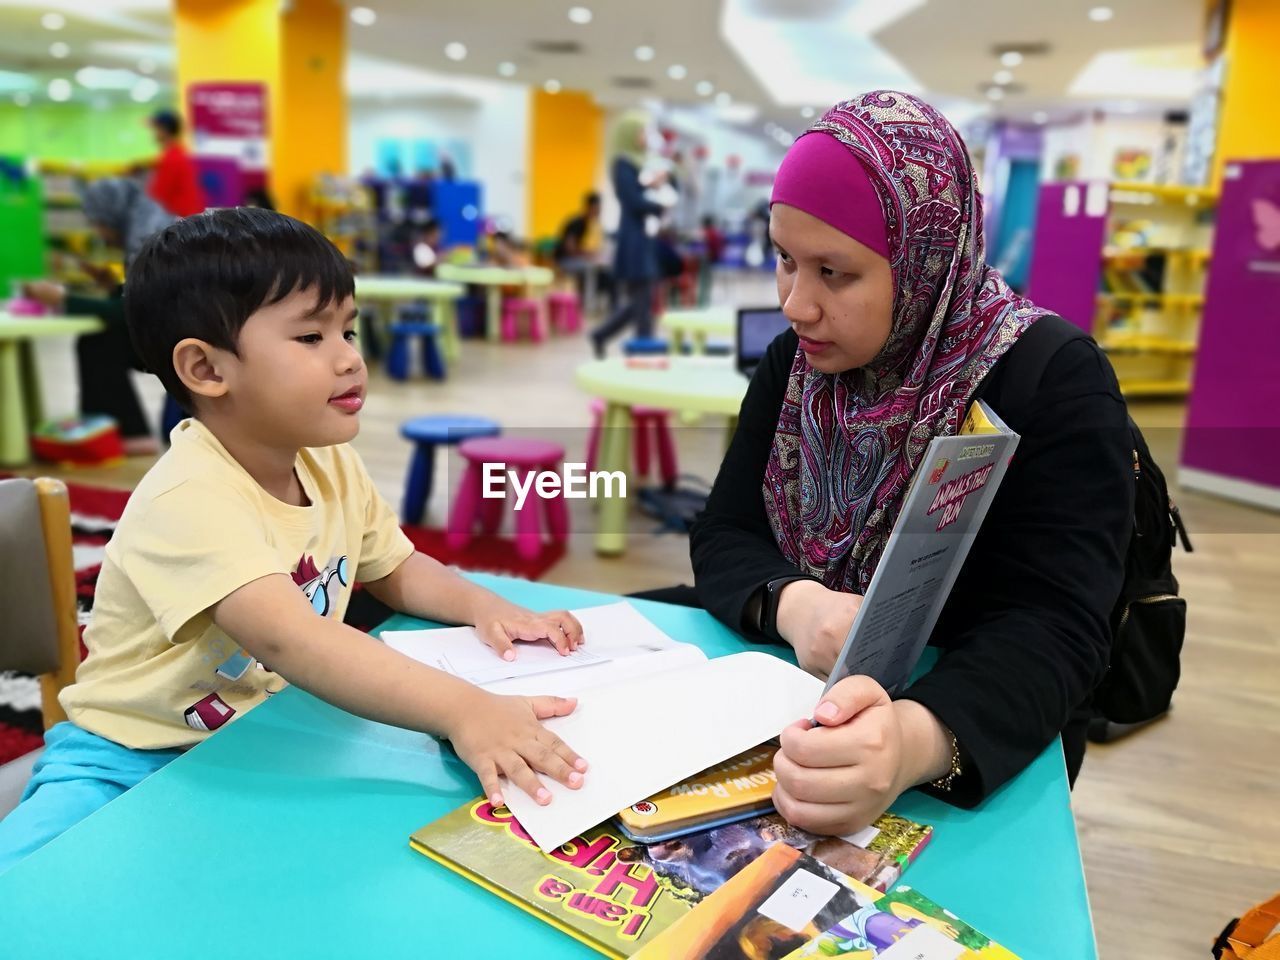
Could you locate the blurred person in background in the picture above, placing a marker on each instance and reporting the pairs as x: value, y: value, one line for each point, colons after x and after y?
x: 125, y: 217
x: 175, y: 182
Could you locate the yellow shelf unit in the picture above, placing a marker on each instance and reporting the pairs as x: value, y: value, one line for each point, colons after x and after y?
x: 1153, y: 272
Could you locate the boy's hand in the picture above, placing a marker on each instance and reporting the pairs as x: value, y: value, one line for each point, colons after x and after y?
x: 502, y: 627
x: 502, y: 736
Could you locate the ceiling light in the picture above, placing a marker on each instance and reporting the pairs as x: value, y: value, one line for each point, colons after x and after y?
x: 363, y: 16
x: 53, y: 21
x: 808, y: 112
x: 551, y: 86
x: 723, y: 99
x: 705, y: 88
x: 146, y: 66
x: 144, y: 90
x: 995, y: 93
x: 1101, y: 14
x: 1011, y: 58
x: 644, y: 53
x: 1003, y: 76
x: 579, y: 14
x: 100, y: 78
x: 507, y: 69
x: 677, y: 71
x: 59, y: 50
x: 1040, y: 117
x: 1128, y: 106
x: 22, y: 98
x: 455, y: 50
x: 60, y: 89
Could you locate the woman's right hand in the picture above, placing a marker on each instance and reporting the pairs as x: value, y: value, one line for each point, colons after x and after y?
x: 504, y: 736
x: 815, y: 621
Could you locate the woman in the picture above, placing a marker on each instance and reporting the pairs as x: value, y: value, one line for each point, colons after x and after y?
x: 635, y: 259
x: 897, y: 322
x: 125, y: 217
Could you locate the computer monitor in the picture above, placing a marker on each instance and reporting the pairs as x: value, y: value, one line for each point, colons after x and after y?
x: 757, y: 327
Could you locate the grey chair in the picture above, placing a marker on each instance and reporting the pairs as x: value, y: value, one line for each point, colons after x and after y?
x: 38, y: 623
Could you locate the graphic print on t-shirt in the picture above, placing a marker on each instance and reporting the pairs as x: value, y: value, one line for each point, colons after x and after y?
x: 322, y: 587
x: 209, y: 713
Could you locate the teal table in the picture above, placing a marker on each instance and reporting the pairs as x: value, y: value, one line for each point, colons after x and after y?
x: 287, y: 835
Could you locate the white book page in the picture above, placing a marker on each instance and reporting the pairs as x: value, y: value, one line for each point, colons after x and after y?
x: 570, y: 683
x: 643, y: 734
x: 611, y: 631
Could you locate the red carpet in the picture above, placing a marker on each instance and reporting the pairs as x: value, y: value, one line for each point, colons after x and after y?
x: 94, y: 512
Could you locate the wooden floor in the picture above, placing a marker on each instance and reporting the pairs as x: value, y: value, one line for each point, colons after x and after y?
x: 1178, y: 824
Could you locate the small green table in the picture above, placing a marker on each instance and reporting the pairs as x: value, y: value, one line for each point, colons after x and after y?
x: 442, y: 293
x: 493, y: 279
x: 690, y: 385
x: 21, y: 401
x: 699, y: 324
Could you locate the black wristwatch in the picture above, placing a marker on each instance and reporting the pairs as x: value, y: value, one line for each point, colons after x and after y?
x: 770, y: 592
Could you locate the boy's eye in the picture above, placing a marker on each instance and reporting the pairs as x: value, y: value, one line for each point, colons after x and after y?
x: 351, y: 336
x: 309, y: 338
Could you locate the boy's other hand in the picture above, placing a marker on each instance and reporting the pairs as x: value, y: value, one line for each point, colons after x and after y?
x: 503, y: 736
x: 501, y: 628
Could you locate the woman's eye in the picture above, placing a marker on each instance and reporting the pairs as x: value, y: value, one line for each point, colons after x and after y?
x: 310, y: 338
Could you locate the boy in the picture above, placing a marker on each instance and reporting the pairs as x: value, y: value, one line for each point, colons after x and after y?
x: 232, y: 565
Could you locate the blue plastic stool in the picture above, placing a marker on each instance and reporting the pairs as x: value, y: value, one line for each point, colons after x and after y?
x: 427, y: 433
x: 398, y: 361
x: 641, y: 346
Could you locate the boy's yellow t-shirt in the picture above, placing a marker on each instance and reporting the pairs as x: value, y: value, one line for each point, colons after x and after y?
x: 159, y: 672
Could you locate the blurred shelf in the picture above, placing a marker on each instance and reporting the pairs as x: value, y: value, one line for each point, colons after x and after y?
x: 1169, y: 299
x: 1163, y: 191
x: 1130, y: 253
x: 1125, y: 342
x: 1155, y: 388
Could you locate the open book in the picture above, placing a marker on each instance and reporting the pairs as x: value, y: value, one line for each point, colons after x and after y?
x: 948, y: 499
x: 651, y: 711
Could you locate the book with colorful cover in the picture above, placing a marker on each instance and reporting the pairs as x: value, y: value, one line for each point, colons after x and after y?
x: 736, y: 789
x: 616, y: 895
x: 786, y: 905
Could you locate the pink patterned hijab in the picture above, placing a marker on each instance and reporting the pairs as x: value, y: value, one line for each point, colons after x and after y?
x: 847, y: 444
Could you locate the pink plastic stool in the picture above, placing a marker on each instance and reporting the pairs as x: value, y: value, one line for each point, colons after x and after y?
x: 566, y: 312
x: 644, y: 420
x: 513, y: 309
x: 525, y: 456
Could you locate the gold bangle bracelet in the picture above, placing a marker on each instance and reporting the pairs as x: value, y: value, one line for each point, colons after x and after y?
x: 945, y: 781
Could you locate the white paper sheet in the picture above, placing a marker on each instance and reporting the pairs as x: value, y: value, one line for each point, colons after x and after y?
x: 612, y: 630
x: 646, y: 733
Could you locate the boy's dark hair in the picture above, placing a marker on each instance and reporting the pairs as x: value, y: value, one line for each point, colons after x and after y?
x: 168, y: 121
x: 203, y: 277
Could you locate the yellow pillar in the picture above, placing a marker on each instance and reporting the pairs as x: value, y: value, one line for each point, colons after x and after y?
x: 566, y: 138
x: 1247, y: 129
x: 299, y: 54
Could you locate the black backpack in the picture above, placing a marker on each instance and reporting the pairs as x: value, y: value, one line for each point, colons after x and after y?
x: 1149, y: 620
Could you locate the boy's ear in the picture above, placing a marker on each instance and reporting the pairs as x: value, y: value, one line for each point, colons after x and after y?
x: 197, y: 365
